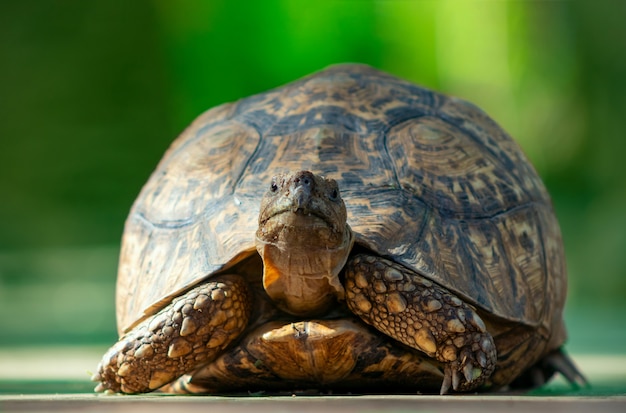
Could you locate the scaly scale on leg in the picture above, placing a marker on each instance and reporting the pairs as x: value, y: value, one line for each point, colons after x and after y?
x: 422, y: 315
x: 185, y: 335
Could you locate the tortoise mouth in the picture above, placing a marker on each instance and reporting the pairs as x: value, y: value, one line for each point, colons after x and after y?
x: 303, y: 218
x: 295, y: 230
x: 299, y: 218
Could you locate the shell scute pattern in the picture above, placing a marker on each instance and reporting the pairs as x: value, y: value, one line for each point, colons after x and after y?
x: 428, y: 180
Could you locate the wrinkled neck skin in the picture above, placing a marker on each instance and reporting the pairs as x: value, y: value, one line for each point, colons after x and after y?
x: 302, y: 258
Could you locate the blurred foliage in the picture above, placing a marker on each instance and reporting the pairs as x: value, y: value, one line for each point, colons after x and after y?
x: 92, y: 93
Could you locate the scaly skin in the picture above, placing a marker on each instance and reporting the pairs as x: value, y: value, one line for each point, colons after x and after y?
x: 183, y: 336
x: 422, y: 315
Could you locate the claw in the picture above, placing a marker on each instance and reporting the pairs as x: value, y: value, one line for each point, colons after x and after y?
x: 99, y: 388
x: 482, y: 359
x: 96, y: 377
x: 471, y: 373
x: 468, y: 372
x: 456, y: 379
x: 447, y: 380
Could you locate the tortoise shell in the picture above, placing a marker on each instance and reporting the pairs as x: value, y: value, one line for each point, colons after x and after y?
x: 429, y: 181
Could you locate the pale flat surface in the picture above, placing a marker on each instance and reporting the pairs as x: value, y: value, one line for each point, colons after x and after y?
x: 49, y: 363
x: 155, y: 404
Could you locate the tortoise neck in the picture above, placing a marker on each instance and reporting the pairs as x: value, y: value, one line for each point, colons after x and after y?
x: 304, y: 279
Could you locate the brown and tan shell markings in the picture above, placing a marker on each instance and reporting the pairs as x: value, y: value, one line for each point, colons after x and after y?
x: 429, y: 181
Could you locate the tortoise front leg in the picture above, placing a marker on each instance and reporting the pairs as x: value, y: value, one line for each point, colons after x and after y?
x: 416, y: 312
x: 183, y: 336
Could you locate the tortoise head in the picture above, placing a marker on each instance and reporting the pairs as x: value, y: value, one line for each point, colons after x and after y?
x: 304, y: 240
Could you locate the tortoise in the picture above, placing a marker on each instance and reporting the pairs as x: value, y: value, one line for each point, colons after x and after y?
x: 349, y: 231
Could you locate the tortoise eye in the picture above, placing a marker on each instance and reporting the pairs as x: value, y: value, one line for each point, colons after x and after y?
x: 334, y: 195
x: 273, y: 186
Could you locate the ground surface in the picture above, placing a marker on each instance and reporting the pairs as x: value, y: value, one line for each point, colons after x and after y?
x: 156, y: 404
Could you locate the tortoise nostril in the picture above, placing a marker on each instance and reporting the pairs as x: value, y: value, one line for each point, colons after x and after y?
x: 303, y: 179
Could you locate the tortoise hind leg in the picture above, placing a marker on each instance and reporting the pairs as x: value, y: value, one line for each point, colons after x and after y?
x: 184, y: 335
x: 541, y: 372
x: 416, y: 312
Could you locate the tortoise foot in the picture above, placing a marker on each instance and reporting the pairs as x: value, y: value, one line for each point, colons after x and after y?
x: 183, y: 336
x: 541, y: 372
x: 424, y: 316
x: 472, y: 365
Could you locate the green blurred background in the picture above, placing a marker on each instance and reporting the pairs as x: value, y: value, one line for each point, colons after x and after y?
x: 93, y: 92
